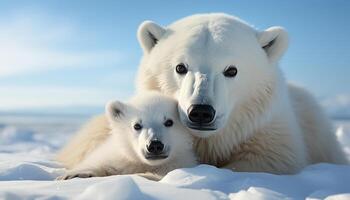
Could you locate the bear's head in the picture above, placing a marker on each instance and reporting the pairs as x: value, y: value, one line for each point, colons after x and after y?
x: 213, y: 64
x: 149, y: 127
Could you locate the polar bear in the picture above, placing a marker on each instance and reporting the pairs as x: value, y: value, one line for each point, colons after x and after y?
x: 232, y: 95
x: 145, y: 138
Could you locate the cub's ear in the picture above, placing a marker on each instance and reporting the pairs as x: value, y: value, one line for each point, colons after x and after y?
x: 148, y: 35
x: 274, y: 41
x: 115, y: 110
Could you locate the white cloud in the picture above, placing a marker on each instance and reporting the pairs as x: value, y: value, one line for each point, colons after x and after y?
x: 35, y: 42
x: 337, y: 106
x: 32, y: 41
x: 339, y: 100
x: 31, y: 97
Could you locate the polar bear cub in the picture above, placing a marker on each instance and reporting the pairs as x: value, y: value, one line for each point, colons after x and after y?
x: 145, y: 138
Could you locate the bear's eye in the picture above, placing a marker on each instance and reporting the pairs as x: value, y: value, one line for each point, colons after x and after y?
x: 230, y: 71
x: 181, y: 69
x: 137, y: 126
x: 168, y: 123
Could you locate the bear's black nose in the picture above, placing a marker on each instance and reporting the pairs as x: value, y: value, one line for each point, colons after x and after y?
x: 201, y: 113
x: 155, y: 147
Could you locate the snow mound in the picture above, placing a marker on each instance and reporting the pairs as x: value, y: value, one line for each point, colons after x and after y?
x: 334, y: 178
x: 202, y: 182
x: 29, y: 171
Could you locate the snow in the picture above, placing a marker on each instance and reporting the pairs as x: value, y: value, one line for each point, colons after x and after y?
x: 27, y: 171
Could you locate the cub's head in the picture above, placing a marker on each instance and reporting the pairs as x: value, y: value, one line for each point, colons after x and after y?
x: 150, y: 127
x: 212, y: 64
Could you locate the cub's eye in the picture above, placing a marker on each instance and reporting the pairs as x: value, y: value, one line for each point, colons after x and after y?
x: 230, y: 71
x: 137, y: 126
x: 181, y: 69
x: 168, y: 123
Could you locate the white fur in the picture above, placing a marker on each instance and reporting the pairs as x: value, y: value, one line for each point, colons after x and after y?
x: 261, y: 122
x: 122, y: 151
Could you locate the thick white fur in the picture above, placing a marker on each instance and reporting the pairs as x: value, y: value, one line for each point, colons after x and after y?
x: 119, y: 149
x: 262, y: 123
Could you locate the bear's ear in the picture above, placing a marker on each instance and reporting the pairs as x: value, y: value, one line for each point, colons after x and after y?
x: 148, y: 35
x: 115, y: 110
x: 274, y: 41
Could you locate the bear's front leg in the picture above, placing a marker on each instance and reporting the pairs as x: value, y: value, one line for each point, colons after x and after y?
x: 88, y: 172
x: 81, y: 173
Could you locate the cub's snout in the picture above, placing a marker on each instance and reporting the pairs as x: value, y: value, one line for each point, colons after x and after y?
x: 156, y: 150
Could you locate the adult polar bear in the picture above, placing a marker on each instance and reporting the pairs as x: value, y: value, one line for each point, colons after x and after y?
x: 232, y: 96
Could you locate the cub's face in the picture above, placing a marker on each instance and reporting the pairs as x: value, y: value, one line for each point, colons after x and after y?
x: 152, y: 130
x: 210, y: 68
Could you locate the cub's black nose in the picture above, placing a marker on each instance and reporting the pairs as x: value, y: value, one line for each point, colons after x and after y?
x: 155, y: 147
x: 201, y: 114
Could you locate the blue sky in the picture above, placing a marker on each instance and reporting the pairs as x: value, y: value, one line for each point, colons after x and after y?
x: 83, y: 53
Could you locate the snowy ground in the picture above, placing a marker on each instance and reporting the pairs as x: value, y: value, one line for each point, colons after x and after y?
x: 27, y: 146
